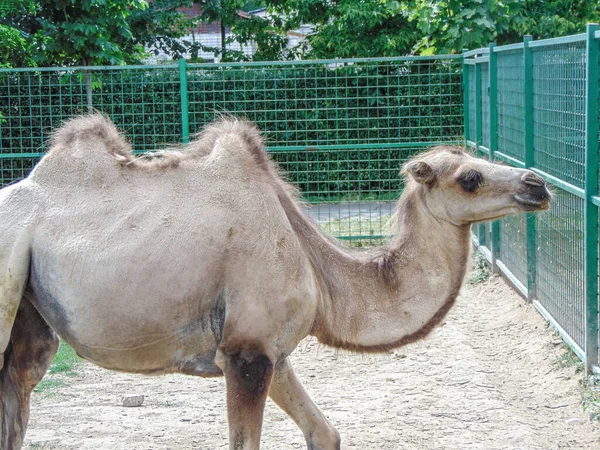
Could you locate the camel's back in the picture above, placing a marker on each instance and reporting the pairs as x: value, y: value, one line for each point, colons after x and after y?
x: 147, y: 253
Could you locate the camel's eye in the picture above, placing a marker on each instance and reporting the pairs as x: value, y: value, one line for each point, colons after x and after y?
x: 470, y: 180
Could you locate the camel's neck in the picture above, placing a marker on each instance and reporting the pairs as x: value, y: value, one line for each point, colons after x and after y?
x: 378, y: 302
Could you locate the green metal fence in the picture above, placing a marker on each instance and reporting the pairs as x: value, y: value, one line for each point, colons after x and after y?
x: 340, y: 129
x: 535, y: 105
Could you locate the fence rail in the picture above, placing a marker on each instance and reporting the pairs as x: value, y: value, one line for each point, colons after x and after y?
x: 535, y: 105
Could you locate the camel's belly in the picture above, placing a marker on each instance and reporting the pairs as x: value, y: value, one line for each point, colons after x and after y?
x: 144, y: 335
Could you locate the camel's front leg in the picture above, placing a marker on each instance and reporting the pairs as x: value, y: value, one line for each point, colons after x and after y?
x: 248, y: 374
x: 289, y: 394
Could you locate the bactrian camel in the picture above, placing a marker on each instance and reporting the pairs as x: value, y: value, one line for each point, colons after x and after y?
x: 201, y: 261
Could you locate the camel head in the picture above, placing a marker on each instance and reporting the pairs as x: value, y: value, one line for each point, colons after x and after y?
x: 459, y: 188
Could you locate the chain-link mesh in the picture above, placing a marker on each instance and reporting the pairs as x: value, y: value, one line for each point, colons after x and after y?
x: 555, y: 82
x: 511, y: 114
x: 560, y: 268
x: 340, y: 130
x: 485, y: 104
x: 559, y: 110
x: 472, y: 103
x: 513, y: 246
x: 143, y: 102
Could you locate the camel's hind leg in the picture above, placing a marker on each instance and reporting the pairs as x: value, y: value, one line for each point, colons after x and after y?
x: 27, y: 357
x: 248, y: 374
x: 289, y: 394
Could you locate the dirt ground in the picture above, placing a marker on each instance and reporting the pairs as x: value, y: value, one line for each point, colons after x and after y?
x: 487, y: 378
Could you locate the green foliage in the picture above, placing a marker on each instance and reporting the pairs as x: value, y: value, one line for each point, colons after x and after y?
x: 591, y: 397
x: 14, y: 50
x: 100, y: 32
x: 480, y: 270
x: 448, y: 26
x: 267, y: 34
x: 160, y: 26
x: 590, y: 385
x: 92, y: 32
x: 370, y: 28
x: 350, y: 28
x: 451, y: 25
x: 569, y: 359
x: 65, y: 363
x: 72, y: 32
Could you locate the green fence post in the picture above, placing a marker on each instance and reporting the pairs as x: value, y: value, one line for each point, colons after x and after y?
x: 529, y: 162
x: 478, y: 132
x: 466, y: 112
x: 591, y: 190
x: 183, y: 89
x: 493, y: 73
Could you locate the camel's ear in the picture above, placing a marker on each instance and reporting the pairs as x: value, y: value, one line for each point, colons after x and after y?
x: 421, y: 172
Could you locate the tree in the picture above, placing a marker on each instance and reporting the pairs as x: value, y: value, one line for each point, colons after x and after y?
x: 266, y: 34
x: 363, y: 28
x: 161, y: 26
x: 549, y: 18
x: 350, y: 28
x: 447, y: 26
x: 92, y: 32
x: 14, y: 49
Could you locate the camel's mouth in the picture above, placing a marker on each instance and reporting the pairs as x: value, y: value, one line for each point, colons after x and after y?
x: 529, y: 203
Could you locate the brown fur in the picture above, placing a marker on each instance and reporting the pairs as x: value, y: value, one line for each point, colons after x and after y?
x: 248, y: 373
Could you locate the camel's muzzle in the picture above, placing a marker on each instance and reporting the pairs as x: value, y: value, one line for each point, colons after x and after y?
x: 534, y: 194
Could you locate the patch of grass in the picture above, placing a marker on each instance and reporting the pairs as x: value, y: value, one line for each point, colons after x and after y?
x: 590, y: 385
x: 65, y: 361
x: 64, y: 364
x: 590, y: 397
x: 480, y: 270
x: 569, y: 360
x: 48, y: 385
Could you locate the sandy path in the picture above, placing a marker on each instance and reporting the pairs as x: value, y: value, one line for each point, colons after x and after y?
x: 486, y: 379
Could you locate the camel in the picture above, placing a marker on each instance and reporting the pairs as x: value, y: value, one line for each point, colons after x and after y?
x: 201, y: 261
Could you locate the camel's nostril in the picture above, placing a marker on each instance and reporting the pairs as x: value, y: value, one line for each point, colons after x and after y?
x: 532, y: 179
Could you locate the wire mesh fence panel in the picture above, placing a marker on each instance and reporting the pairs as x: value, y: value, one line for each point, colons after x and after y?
x: 472, y: 103
x: 143, y: 102
x: 511, y: 112
x: 321, y: 103
x: 485, y: 105
x: 599, y: 122
x: 560, y: 257
x: 559, y: 110
x: 541, y: 124
x: 340, y: 130
x: 32, y: 104
x: 513, y: 246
